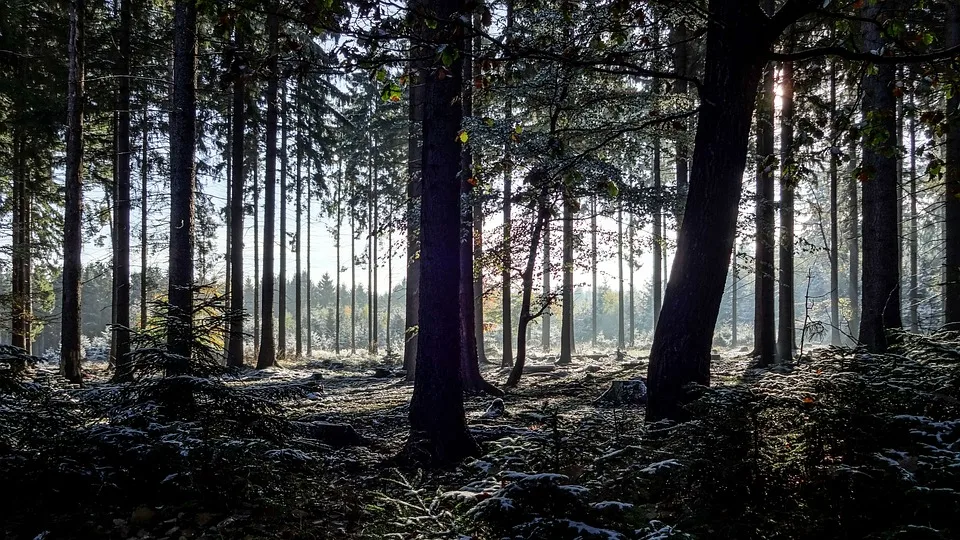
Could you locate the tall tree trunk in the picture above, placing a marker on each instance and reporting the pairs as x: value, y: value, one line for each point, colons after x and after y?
x: 339, y: 202
x: 764, y: 331
x: 914, y: 291
x: 353, y: 272
x: 593, y: 270
x: 620, y: 328
x: 437, y: 423
x: 853, y: 240
x: 566, y: 315
x: 506, y: 275
x: 734, y: 316
x: 951, y: 303
x: 122, y: 269
x: 386, y: 332
x: 282, y: 278
x: 834, y: 211
x: 786, y: 329
x: 681, y: 345
x: 267, y: 356
x: 19, y: 246
x: 228, y: 260
x: 73, y: 201
x: 144, y: 177
x: 237, y: 148
x: 881, y: 285
x: 309, y: 253
x: 256, y: 252
x: 657, y: 284
x: 298, y: 283
x: 182, y: 182
x: 630, y: 269
x: 545, y: 321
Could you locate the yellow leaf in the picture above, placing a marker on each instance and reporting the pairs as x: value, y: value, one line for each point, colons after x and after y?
x: 463, y: 137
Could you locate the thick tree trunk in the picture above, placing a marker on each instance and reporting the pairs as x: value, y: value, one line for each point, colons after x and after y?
x: 122, y: 266
x: 786, y: 330
x: 182, y: 182
x: 267, y: 356
x: 764, y: 330
x: 73, y: 201
x: 951, y: 303
x: 681, y: 345
x: 438, y: 430
x: 235, y: 344
x: 881, y: 285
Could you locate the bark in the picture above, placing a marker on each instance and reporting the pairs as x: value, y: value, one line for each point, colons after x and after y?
x: 545, y: 321
x: 593, y: 269
x: 353, y: 272
x: 267, y: 356
x: 414, y: 190
x: 631, y: 270
x: 20, y: 247
x: 256, y: 254
x: 734, y: 316
x: 566, y: 314
x: 506, y: 275
x: 122, y: 265
x: 881, y: 285
x: 73, y: 202
x: 144, y: 177
x: 786, y: 329
x: 438, y: 430
x: 182, y: 183
x: 682, y: 341
x: 235, y: 344
x: 309, y: 252
x: 657, y: 231
x: 620, y: 328
x: 951, y: 304
x: 339, y: 202
x: 764, y: 330
x: 914, y: 291
x: 853, y: 241
x: 282, y: 277
x: 834, y: 213
x: 298, y: 282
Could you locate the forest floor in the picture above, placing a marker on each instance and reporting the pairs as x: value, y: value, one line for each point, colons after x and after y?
x: 556, y: 462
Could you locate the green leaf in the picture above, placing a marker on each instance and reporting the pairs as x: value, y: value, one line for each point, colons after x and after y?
x: 927, y: 38
x: 391, y: 92
x: 613, y: 189
x: 381, y: 75
x: 448, y: 55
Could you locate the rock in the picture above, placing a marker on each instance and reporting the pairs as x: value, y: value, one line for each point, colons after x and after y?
x: 592, y: 368
x: 714, y: 356
x: 382, y: 373
x: 495, y: 410
x: 630, y: 392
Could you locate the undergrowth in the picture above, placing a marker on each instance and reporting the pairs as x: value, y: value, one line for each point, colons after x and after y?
x: 842, y: 445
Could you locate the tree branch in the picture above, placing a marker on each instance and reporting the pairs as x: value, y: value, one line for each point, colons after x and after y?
x: 858, y: 56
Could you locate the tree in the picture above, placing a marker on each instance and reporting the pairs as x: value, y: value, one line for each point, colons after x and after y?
x: 122, y: 270
x: 438, y: 428
x: 738, y: 38
x: 73, y: 201
x: 282, y: 277
x: 182, y: 182
x: 878, y: 172
x: 235, y: 343
x: 764, y: 331
x: 788, y: 181
x: 267, y: 356
x: 951, y: 305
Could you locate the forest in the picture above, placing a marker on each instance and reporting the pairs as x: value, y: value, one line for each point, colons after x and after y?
x: 285, y: 269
